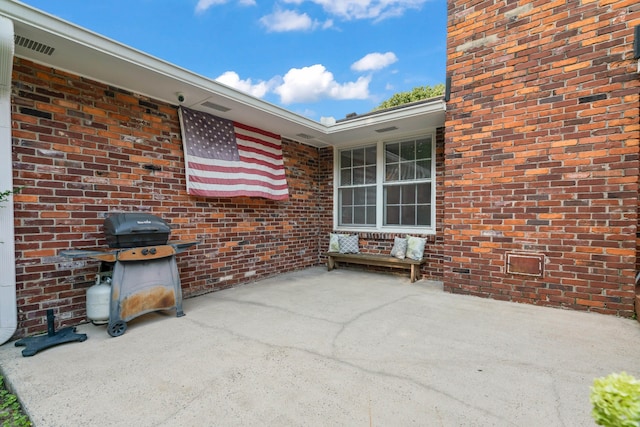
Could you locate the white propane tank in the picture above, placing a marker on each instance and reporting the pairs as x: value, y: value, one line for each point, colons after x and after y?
x: 98, y: 300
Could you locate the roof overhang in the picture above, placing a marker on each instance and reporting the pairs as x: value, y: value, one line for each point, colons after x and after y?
x: 59, y: 44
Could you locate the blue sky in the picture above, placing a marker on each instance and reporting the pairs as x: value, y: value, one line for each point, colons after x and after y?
x: 317, y: 58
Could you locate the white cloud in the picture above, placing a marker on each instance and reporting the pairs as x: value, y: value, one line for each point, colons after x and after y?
x: 206, y: 4
x: 288, y: 20
x: 309, y: 84
x: 377, y: 10
x: 327, y: 24
x: 374, y: 61
x: 368, y: 9
x: 232, y: 79
x: 203, y: 5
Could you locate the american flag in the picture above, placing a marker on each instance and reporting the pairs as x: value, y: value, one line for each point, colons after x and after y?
x: 228, y: 159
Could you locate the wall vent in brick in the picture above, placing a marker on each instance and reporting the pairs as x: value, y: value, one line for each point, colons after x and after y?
x: 527, y: 264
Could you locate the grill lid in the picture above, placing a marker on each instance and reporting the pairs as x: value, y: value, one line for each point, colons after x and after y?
x: 129, y: 230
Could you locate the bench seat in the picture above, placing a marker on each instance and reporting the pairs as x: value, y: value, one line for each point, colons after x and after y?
x: 377, y: 260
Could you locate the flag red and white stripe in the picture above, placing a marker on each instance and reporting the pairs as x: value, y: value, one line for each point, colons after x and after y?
x: 230, y: 159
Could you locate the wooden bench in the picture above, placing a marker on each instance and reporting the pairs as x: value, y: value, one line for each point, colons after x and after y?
x: 377, y: 260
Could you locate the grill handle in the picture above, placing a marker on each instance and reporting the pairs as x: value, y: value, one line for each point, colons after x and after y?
x: 143, y: 229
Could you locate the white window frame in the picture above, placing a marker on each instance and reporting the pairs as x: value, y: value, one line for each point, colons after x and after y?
x: 380, y: 170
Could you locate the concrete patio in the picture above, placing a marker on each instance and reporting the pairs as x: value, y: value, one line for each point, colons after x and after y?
x: 340, y: 348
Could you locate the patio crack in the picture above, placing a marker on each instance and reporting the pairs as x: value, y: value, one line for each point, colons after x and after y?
x: 279, y: 308
x: 345, y: 325
x: 556, y: 394
x: 359, y: 368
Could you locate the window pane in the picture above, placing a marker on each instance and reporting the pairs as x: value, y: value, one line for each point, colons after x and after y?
x: 392, y: 172
x: 424, y: 215
x: 423, y: 149
x: 408, y: 194
x: 393, y: 215
x: 371, y: 215
x: 345, y: 177
x: 392, y: 153
x: 370, y: 155
x: 407, y: 171
x: 371, y: 196
x: 408, y: 215
x: 358, y: 157
x: 358, y: 176
x: 424, y: 193
x: 359, y: 215
x: 393, y: 194
x: 359, y: 196
x: 423, y: 169
x: 345, y: 159
x: 346, y: 216
x: 347, y: 196
x: 407, y: 151
x: 370, y: 175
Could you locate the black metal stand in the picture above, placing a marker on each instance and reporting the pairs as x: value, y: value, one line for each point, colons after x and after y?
x: 42, y: 342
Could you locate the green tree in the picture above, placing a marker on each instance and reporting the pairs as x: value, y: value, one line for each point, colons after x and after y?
x: 416, y: 94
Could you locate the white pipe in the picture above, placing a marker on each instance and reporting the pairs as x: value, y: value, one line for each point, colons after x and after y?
x: 8, y: 303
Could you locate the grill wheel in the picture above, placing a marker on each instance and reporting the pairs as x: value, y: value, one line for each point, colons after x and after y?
x: 117, y: 328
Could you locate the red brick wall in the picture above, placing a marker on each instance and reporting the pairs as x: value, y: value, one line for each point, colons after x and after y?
x: 542, y: 151
x: 83, y: 150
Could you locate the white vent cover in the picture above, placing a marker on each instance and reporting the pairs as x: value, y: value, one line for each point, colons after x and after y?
x: 389, y: 129
x: 215, y: 106
x: 33, y: 45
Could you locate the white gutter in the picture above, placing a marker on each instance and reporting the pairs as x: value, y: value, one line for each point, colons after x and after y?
x: 8, y: 303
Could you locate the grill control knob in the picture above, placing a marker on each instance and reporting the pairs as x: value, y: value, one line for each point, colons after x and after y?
x: 152, y: 251
x: 145, y: 251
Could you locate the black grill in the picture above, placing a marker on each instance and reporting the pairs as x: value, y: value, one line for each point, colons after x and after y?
x: 141, y: 266
x: 130, y: 230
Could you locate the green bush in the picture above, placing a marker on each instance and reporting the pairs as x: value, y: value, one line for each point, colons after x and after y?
x: 616, y: 401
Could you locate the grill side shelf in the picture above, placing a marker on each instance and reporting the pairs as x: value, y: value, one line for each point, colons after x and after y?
x: 90, y: 253
x: 183, y: 245
x: 132, y: 254
x: 150, y: 252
